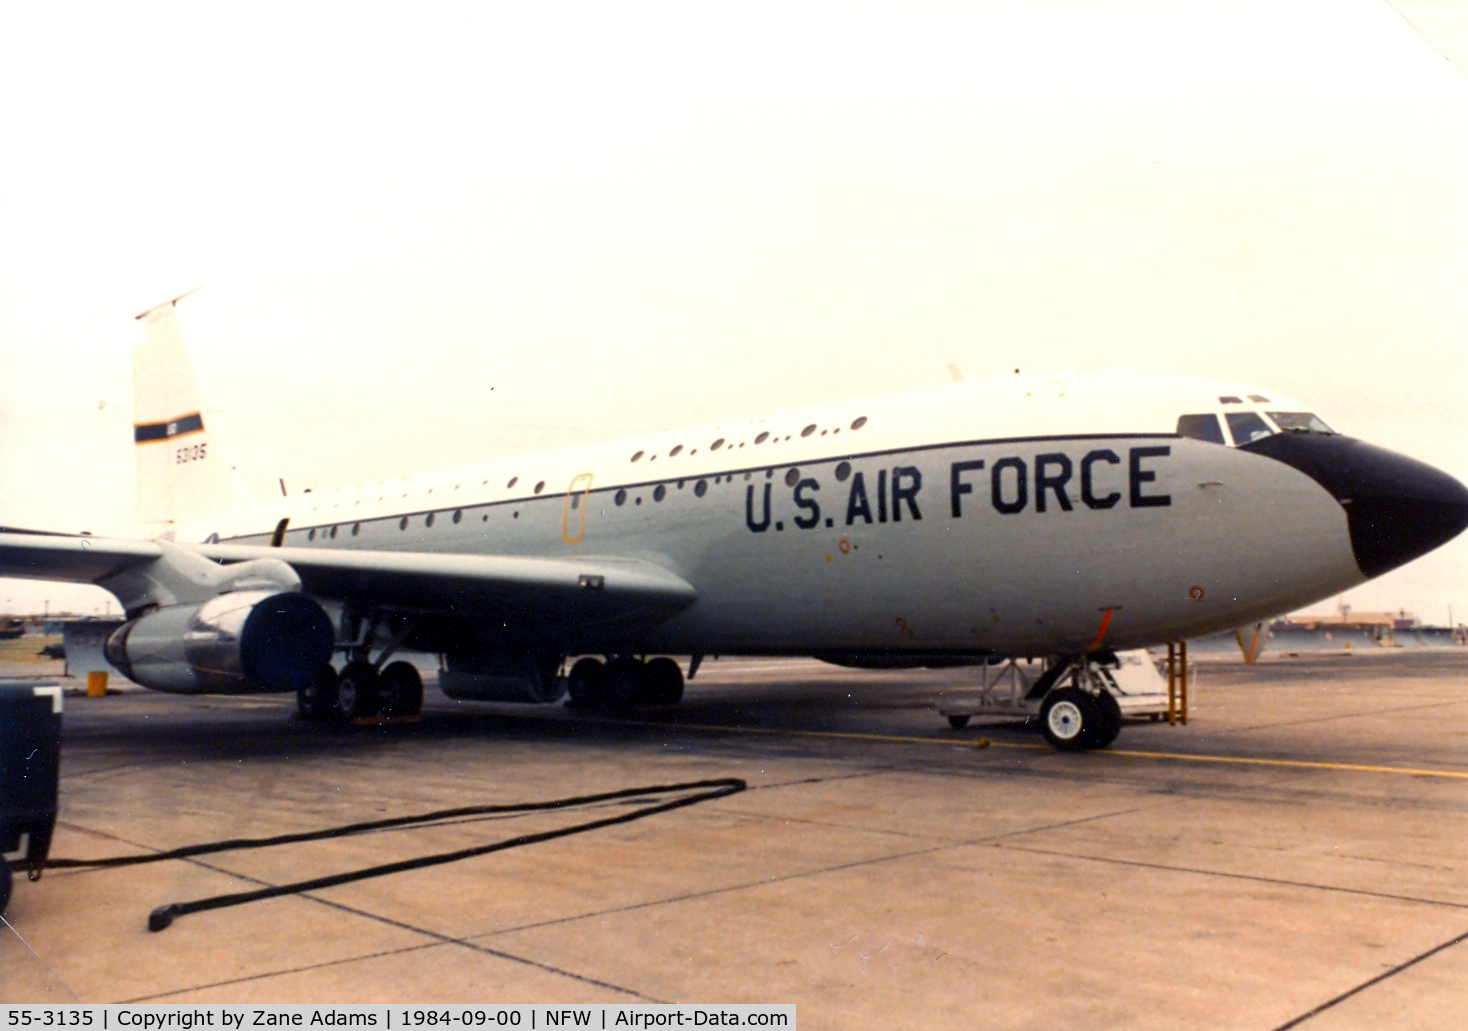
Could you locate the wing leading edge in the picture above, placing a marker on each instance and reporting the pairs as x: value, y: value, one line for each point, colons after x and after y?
x: 32, y: 555
x: 581, y: 593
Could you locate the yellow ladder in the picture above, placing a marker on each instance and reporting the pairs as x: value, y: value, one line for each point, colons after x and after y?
x: 1177, y: 683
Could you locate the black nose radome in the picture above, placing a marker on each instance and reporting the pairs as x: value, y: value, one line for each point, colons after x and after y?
x: 1397, y: 507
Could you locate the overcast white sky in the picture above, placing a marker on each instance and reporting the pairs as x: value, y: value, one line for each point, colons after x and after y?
x: 439, y: 233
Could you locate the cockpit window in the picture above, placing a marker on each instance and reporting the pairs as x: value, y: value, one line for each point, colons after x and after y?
x: 1247, y: 426
x: 1200, y: 427
x: 1299, y: 422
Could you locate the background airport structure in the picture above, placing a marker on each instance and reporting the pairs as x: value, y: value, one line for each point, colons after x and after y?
x: 882, y: 870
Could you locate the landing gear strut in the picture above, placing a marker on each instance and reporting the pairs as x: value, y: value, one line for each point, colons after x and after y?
x: 624, y: 683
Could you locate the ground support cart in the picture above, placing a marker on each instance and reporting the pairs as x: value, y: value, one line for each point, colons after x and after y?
x: 30, y: 755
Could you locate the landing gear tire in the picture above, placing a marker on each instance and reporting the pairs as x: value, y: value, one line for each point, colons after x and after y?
x: 1067, y: 719
x: 958, y: 722
x: 662, y: 682
x: 313, y: 701
x: 400, y: 690
x: 5, y: 884
x: 1109, y: 723
x: 356, y: 692
x: 584, y: 683
x: 622, y: 684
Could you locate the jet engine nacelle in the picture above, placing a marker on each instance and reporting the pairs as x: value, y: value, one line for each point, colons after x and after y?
x: 236, y: 643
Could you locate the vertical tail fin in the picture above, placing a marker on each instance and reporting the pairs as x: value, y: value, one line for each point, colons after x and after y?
x: 181, y: 474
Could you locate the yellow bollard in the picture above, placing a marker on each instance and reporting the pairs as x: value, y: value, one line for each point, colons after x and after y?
x: 96, y: 683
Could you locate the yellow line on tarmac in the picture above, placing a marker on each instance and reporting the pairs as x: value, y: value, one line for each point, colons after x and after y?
x: 983, y: 742
x: 1298, y: 764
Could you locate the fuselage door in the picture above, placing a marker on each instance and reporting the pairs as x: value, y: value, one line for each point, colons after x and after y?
x: 573, y: 510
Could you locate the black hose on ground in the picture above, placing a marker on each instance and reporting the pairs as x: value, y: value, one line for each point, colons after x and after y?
x: 704, y: 791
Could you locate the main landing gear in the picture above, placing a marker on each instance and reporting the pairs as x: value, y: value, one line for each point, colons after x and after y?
x: 359, y: 690
x: 624, y: 683
x: 364, y: 688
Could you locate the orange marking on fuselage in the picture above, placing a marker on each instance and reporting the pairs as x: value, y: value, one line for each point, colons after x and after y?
x: 1101, y: 634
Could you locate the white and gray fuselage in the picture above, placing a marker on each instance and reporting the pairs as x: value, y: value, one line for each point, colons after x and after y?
x: 1020, y: 515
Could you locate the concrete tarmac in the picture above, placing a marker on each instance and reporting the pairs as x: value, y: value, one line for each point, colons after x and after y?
x: 1297, y: 856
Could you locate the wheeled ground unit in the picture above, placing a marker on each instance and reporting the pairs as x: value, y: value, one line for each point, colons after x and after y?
x: 30, y: 761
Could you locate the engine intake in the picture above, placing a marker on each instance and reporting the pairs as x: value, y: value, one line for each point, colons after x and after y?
x: 238, y: 643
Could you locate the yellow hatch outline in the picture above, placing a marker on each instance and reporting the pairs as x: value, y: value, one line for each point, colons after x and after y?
x: 581, y: 481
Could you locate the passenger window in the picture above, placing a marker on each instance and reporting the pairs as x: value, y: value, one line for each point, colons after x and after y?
x: 1247, y: 426
x: 1200, y: 427
x: 1299, y: 422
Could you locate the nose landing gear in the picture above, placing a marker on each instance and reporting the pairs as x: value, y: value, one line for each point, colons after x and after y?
x: 1075, y: 720
x: 1077, y: 702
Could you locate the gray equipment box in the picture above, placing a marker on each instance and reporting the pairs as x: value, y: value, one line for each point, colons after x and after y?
x: 30, y: 762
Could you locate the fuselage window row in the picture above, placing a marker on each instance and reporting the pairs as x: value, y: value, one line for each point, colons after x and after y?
x: 763, y: 436
x: 792, y: 476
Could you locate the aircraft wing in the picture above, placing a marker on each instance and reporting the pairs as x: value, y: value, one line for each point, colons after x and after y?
x: 593, y: 591
x: 36, y: 555
x: 582, y: 591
